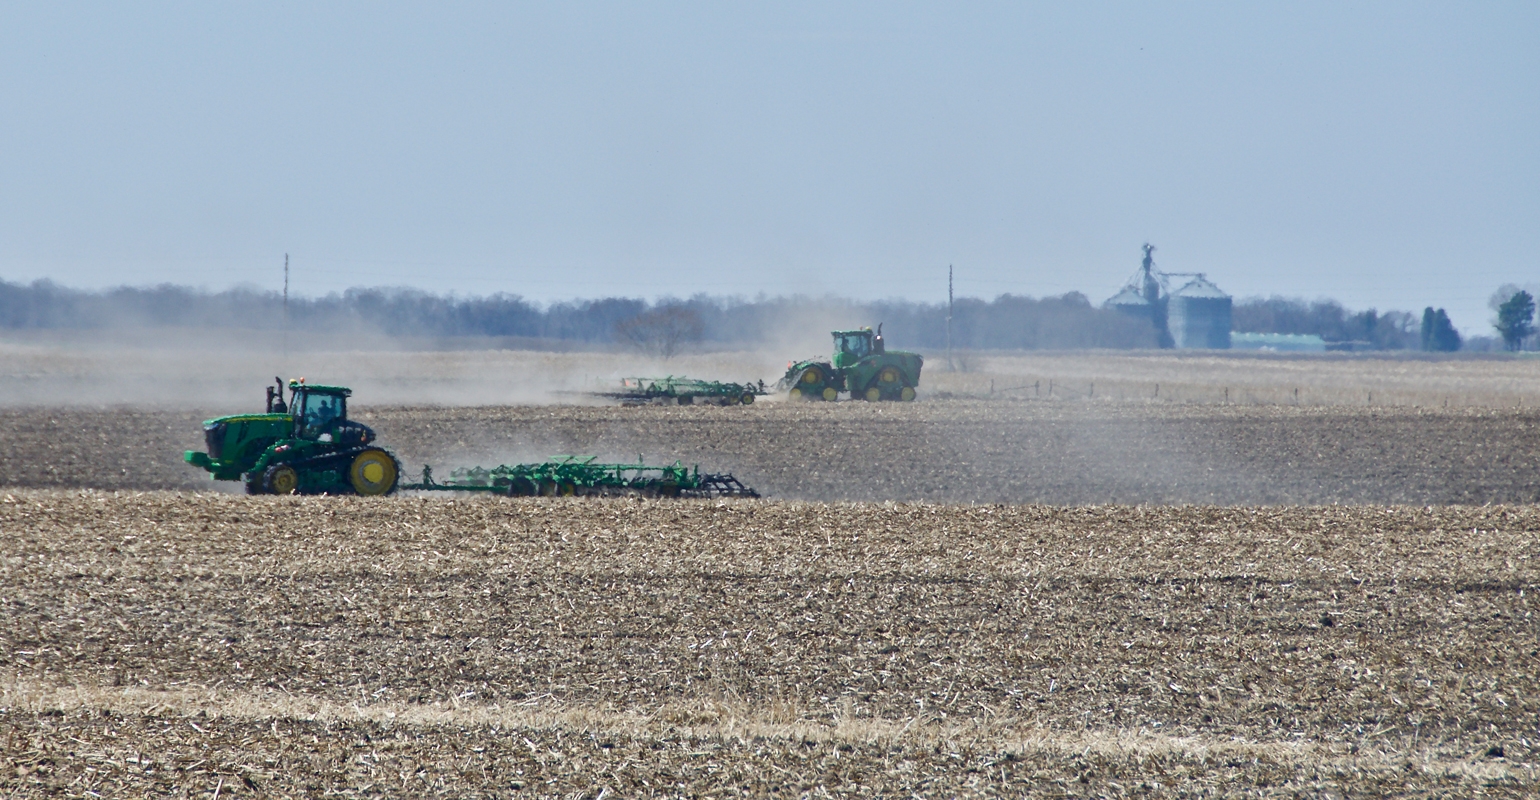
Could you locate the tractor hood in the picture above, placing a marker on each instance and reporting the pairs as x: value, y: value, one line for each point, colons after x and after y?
x: 228, y: 441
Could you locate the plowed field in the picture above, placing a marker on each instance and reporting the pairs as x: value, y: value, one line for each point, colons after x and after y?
x: 179, y: 645
x: 956, y: 451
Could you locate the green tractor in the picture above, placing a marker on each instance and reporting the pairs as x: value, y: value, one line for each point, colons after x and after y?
x: 861, y: 366
x: 305, y: 446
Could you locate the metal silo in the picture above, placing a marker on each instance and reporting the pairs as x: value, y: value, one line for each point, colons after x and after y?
x: 1198, y: 316
x: 1132, y: 303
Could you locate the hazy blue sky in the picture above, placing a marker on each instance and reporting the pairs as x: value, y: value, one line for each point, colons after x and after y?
x: 1384, y: 154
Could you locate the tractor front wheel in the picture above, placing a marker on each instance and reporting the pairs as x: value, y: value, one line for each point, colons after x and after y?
x: 280, y: 479
x: 906, y: 394
x: 373, y: 473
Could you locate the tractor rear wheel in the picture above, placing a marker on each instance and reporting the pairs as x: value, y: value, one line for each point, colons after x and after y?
x: 280, y: 479
x: 373, y: 473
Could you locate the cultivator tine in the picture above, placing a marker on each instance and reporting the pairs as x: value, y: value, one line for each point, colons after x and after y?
x: 724, y: 485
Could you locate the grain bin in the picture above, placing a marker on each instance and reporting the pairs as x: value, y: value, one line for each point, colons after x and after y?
x: 1198, y: 316
x: 1130, y: 302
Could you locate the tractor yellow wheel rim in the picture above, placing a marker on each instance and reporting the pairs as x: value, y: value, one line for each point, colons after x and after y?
x: 906, y: 395
x: 747, y: 399
x: 889, y: 375
x: 795, y: 394
x: 873, y: 394
x: 285, y: 481
x: 373, y: 473
x: 811, y: 377
x: 829, y: 393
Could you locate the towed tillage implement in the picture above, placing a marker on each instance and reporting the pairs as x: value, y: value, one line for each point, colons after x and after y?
x: 565, y: 476
x: 684, y: 391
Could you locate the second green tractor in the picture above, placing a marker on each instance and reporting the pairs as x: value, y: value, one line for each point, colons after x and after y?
x: 861, y: 365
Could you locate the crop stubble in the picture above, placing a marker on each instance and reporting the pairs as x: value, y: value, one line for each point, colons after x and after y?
x: 158, y: 642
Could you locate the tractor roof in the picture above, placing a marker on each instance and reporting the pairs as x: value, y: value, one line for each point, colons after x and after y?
x: 316, y: 387
x: 851, y: 333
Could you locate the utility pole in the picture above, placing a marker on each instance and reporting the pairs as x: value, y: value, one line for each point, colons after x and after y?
x: 949, y: 367
x: 286, y: 310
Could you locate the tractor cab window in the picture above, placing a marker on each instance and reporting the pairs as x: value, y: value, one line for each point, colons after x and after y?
x: 858, y: 345
x: 317, y: 410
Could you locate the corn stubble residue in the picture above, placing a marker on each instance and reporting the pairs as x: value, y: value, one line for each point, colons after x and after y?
x: 197, y: 644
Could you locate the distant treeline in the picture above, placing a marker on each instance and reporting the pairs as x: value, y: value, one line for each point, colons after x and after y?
x: 1391, y: 330
x: 1008, y: 322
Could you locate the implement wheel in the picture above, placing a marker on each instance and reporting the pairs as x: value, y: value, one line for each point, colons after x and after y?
x: 747, y: 399
x: 280, y: 479
x: 522, y: 487
x: 373, y: 473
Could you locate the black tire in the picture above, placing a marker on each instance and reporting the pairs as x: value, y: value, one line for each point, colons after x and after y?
x: 253, y: 483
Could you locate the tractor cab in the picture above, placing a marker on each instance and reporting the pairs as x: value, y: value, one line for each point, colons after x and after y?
x: 317, y: 408
x: 852, y: 346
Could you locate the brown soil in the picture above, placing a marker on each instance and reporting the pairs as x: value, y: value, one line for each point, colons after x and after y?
x: 939, y: 450
x: 171, y: 644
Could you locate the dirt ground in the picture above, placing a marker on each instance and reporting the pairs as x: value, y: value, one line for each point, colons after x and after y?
x: 178, y: 645
x: 957, y: 450
x: 936, y: 599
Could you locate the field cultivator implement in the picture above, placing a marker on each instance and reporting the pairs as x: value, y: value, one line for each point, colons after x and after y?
x: 684, y: 392
x: 565, y: 476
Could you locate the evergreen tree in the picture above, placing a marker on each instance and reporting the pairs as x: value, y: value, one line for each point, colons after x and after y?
x: 1438, y: 333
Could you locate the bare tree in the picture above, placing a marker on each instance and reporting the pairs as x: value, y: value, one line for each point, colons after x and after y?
x: 662, y: 331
